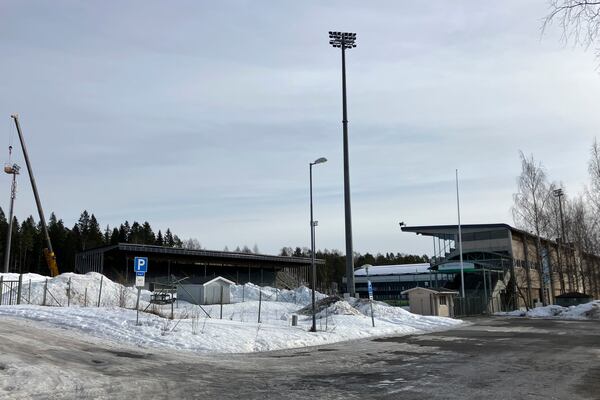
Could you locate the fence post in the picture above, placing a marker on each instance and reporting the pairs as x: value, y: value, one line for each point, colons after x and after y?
x: 45, y: 290
x: 85, y: 298
x: 243, y: 292
x: 259, y: 303
x: 221, y: 317
x: 29, y: 292
x: 137, y: 307
x: 100, y: 292
x: 172, y: 302
x: 69, y: 293
x: 19, y: 289
x: 1, y: 287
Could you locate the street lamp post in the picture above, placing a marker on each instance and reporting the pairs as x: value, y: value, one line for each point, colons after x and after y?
x: 460, y: 251
x: 559, y: 193
x: 313, y: 224
x: 346, y: 40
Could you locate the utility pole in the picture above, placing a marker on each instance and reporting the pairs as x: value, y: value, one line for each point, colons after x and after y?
x: 559, y: 193
x: 346, y: 40
x: 14, y: 171
x: 462, y: 273
x: 313, y: 224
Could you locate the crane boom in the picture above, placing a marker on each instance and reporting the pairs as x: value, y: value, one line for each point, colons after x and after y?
x: 48, y: 252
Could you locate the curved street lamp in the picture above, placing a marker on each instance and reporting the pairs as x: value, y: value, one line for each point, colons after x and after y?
x: 313, y: 223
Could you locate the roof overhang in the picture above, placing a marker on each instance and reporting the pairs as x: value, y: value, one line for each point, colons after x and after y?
x: 449, y: 232
x: 145, y: 249
x: 434, y: 291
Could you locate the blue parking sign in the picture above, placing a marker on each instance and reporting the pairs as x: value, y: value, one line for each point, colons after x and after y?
x: 140, y: 264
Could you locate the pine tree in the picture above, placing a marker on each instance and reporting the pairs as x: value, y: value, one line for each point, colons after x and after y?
x: 95, y: 238
x: 136, y: 234
x: 58, y: 236
x: 124, y: 231
x: 114, y: 237
x: 159, y: 239
x: 169, y: 241
x: 147, y: 234
x: 107, y: 235
x: 84, y: 228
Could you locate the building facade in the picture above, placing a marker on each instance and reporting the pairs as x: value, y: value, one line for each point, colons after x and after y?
x: 522, y: 270
x: 389, y: 281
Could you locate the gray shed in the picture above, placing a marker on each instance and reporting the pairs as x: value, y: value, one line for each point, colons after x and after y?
x: 206, y: 293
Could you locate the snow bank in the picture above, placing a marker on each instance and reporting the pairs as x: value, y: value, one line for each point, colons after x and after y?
x: 585, y: 311
x: 250, y: 291
x: 85, y: 290
x: 200, y: 328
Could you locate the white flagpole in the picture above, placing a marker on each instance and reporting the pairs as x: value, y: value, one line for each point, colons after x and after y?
x: 462, y: 273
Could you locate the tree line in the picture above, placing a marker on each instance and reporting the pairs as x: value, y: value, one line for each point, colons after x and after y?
x: 335, y: 262
x: 28, y: 240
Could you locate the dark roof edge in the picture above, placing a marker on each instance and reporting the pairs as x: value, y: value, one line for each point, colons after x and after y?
x: 206, y: 253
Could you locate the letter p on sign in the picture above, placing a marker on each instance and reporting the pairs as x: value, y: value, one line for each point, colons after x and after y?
x: 140, y: 264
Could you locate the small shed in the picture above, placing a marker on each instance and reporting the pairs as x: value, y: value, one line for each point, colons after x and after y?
x: 572, y: 299
x: 431, y: 301
x: 211, y: 292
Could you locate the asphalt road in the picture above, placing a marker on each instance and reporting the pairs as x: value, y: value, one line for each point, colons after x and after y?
x: 496, y: 358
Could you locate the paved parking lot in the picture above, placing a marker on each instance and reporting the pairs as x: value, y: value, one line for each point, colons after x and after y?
x: 495, y: 358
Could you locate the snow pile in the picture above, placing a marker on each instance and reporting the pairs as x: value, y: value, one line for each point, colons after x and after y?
x: 250, y: 291
x: 84, y: 290
x: 245, y: 326
x: 589, y: 310
x: 341, y: 307
x: 26, y: 277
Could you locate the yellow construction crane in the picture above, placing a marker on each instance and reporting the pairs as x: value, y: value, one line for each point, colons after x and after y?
x: 48, y: 251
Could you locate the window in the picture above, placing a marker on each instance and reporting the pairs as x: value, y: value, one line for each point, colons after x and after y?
x: 442, y: 300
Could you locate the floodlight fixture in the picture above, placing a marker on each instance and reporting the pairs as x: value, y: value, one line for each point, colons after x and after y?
x: 342, y: 39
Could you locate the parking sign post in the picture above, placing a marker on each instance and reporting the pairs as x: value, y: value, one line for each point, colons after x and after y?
x: 140, y: 267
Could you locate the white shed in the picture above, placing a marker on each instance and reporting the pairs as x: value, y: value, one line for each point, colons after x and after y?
x: 431, y: 301
x: 210, y: 292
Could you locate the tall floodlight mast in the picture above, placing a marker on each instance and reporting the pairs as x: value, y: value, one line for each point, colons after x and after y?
x: 344, y: 41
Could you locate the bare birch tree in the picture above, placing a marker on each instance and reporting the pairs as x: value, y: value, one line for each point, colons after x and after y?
x: 579, y: 21
x: 528, y: 210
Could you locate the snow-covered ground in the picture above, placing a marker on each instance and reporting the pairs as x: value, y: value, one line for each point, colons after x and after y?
x: 200, y: 328
x: 585, y: 311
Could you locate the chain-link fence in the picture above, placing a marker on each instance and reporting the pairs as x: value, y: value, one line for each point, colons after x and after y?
x: 478, y: 305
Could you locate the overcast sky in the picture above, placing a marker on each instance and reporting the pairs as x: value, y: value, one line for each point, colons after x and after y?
x: 203, y: 116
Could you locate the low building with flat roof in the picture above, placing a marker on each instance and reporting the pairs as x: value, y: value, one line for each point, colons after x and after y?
x: 199, y: 266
